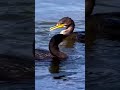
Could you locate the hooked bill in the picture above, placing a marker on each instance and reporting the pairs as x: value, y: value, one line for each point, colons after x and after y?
x: 57, y: 26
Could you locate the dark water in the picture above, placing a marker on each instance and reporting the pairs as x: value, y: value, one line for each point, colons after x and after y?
x: 16, y: 39
x: 68, y: 74
x: 103, y: 65
x: 103, y: 6
x: 103, y: 57
x: 24, y: 85
x: 16, y: 28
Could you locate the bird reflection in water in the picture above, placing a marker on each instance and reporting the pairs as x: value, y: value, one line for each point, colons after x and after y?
x: 54, y: 69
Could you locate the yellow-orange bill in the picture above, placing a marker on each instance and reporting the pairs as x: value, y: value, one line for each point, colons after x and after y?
x: 57, y: 26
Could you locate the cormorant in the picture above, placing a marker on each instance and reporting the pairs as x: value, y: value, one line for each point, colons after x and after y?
x: 69, y: 26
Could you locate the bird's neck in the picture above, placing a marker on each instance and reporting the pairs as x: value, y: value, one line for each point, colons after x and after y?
x: 53, y: 46
x: 68, y: 30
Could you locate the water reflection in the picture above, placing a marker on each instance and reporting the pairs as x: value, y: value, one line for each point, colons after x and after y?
x: 53, y: 71
x: 54, y: 68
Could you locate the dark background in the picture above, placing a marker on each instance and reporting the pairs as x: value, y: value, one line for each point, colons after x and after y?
x: 16, y: 44
x: 102, y: 45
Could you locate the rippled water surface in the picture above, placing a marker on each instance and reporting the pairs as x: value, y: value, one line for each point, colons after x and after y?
x: 16, y: 36
x: 51, y: 74
x: 103, y: 65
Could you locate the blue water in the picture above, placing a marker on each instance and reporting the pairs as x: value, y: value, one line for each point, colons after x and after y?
x: 47, y: 10
x: 68, y: 74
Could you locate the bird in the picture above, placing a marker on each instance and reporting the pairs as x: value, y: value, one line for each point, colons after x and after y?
x: 69, y: 25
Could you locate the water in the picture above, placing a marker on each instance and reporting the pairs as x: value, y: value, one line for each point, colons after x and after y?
x: 47, y: 10
x: 103, y: 56
x: 102, y: 65
x: 63, y: 75
x: 16, y: 36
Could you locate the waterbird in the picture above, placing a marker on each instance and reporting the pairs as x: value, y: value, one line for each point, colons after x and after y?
x: 69, y: 25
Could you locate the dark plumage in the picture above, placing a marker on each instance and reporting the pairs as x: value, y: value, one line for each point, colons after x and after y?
x: 53, y: 46
x: 69, y: 24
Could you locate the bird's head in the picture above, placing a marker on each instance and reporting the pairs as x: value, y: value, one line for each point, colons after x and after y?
x: 65, y: 22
